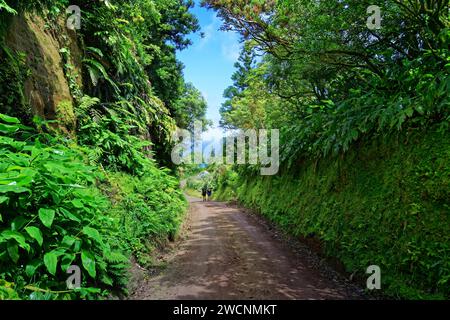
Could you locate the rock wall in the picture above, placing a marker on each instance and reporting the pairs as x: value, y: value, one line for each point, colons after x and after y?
x: 46, y: 90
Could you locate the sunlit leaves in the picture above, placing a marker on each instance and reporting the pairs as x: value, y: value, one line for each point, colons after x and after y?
x: 51, y: 261
x: 4, y: 6
x: 88, y: 263
x: 47, y: 216
x: 34, y: 236
x: 326, y: 80
x: 35, y: 233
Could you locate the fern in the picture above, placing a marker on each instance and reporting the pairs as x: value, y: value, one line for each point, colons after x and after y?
x: 85, y: 104
x: 95, y: 50
x: 96, y: 71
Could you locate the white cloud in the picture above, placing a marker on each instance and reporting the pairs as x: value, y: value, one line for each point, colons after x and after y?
x: 210, y: 31
x: 214, y: 134
x: 231, y: 47
x: 231, y: 51
x: 228, y: 41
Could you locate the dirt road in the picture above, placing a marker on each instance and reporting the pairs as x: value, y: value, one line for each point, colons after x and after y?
x: 229, y: 254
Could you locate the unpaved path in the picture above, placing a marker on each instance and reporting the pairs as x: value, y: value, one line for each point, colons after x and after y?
x: 227, y: 254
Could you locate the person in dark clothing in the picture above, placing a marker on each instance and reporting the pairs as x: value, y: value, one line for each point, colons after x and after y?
x: 209, y: 192
x: 204, y: 192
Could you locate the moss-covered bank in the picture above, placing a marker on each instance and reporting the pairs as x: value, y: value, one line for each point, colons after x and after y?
x: 385, y: 203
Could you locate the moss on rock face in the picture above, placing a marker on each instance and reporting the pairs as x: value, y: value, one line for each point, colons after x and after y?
x: 65, y: 115
x: 43, y: 90
x: 13, y: 74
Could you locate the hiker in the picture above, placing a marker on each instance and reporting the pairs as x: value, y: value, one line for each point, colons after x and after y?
x: 209, y: 192
x: 204, y: 192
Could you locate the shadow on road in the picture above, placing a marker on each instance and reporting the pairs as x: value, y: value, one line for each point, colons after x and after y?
x: 228, y: 255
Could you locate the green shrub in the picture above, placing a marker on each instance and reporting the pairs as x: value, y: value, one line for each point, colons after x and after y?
x: 149, y: 208
x: 111, y: 134
x: 51, y: 217
x: 7, y: 291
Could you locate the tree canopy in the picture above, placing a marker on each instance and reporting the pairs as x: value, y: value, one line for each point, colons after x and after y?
x: 326, y: 79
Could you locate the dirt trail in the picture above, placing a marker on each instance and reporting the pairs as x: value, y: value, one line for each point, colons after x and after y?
x: 228, y: 254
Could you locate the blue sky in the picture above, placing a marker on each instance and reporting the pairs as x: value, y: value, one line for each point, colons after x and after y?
x: 209, y: 63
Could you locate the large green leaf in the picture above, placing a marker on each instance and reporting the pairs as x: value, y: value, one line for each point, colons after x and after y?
x: 31, y: 268
x: 93, y: 234
x: 12, y: 188
x: 96, y: 51
x: 69, y: 215
x: 13, y: 251
x: 35, y: 233
x: 51, y: 260
x: 88, y: 262
x: 95, y: 68
x: 4, y: 117
x: 17, y: 236
x: 18, y: 223
x: 47, y: 216
x: 6, y: 128
x: 77, y: 203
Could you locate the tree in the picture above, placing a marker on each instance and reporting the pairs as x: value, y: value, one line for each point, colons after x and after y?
x: 326, y: 79
x: 191, y: 106
x: 240, y: 83
x: 163, y: 39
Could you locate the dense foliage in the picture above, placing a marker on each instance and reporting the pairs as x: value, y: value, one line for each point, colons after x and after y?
x: 82, y: 189
x: 129, y: 63
x: 342, y: 94
x: 385, y: 203
x: 364, y: 121
x: 52, y: 217
x: 149, y: 210
x: 132, y: 67
x: 325, y: 79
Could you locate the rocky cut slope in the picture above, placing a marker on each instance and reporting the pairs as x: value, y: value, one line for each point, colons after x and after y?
x: 33, y: 70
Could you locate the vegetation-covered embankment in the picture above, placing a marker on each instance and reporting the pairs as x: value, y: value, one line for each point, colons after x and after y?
x: 86, y: 118
x: 58, y: 211
x: 384, y: 203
